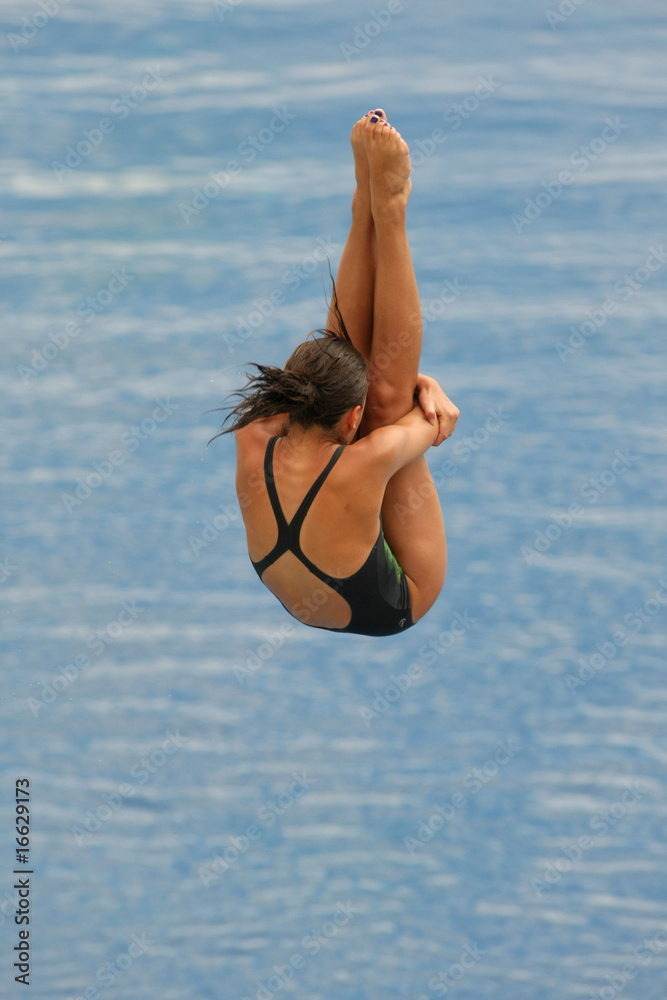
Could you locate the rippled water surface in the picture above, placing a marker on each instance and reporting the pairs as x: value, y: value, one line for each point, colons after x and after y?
x: 227, y: 804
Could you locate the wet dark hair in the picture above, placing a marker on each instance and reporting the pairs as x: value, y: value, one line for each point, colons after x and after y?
x: 322, y: 379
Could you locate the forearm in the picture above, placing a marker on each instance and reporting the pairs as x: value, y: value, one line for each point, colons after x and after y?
x: 388, y: 449
x: 421, y: 434
x: 414, y: 418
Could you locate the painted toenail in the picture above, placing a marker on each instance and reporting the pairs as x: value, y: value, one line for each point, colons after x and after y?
x: 378, y: 111
x: 375, y: 118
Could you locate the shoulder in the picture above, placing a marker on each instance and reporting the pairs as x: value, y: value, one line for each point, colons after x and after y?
x: 377, y: 450
x: 252, y: 439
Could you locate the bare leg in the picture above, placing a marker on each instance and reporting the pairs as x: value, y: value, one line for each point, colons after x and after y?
x: 411, y: 514
x: 355, y: 282
x: 415, y: 531
x: 397, y: 322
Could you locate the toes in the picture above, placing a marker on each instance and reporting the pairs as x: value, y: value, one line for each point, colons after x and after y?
x: 376, y: 120
x: 379, y: 127
x: 375, y: 126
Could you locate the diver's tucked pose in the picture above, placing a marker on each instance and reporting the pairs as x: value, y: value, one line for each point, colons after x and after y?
x: 342, y: 518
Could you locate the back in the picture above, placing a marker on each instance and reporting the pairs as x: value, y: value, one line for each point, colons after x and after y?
x: 338, y: 531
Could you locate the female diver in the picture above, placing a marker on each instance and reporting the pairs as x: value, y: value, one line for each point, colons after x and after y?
x: 342, y: 518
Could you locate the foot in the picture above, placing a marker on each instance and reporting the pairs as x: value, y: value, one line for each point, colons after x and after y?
x: 389, y: 164
x: 362, y: 196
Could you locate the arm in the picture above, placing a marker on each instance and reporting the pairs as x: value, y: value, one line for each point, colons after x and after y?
x: 437, y: 407
x: 388, y: 449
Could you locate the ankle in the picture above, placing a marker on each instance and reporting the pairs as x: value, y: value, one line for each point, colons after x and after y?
x: 361, y: 206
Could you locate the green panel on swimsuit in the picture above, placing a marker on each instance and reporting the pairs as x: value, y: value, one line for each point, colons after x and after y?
x: 392, y: 561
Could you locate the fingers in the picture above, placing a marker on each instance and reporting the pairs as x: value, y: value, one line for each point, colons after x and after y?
x: 447, y: 424
x: 438, y: 409
x: 447, y: 417
x: 427, y: 403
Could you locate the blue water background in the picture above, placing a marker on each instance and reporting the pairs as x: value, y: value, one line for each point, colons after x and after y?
x: 300, y: 741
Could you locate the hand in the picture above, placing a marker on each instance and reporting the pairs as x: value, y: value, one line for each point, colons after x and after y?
x: 438, y: 408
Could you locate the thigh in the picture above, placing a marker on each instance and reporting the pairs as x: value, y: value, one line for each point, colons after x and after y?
x: 414, y: 528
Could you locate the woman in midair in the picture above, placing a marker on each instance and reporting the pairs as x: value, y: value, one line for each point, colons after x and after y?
x: 342, y: 518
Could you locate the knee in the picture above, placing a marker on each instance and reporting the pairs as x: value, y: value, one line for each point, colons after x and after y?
x: 385, y: 403
x: 424, y: 597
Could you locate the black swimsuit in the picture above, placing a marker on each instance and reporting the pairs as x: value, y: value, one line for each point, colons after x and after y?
x: 378, y: 593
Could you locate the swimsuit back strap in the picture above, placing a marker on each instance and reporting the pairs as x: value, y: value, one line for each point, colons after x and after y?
x: 271, y: 488
x: 305, y: 505
x: 288, y: 534
x: 282, y: 542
